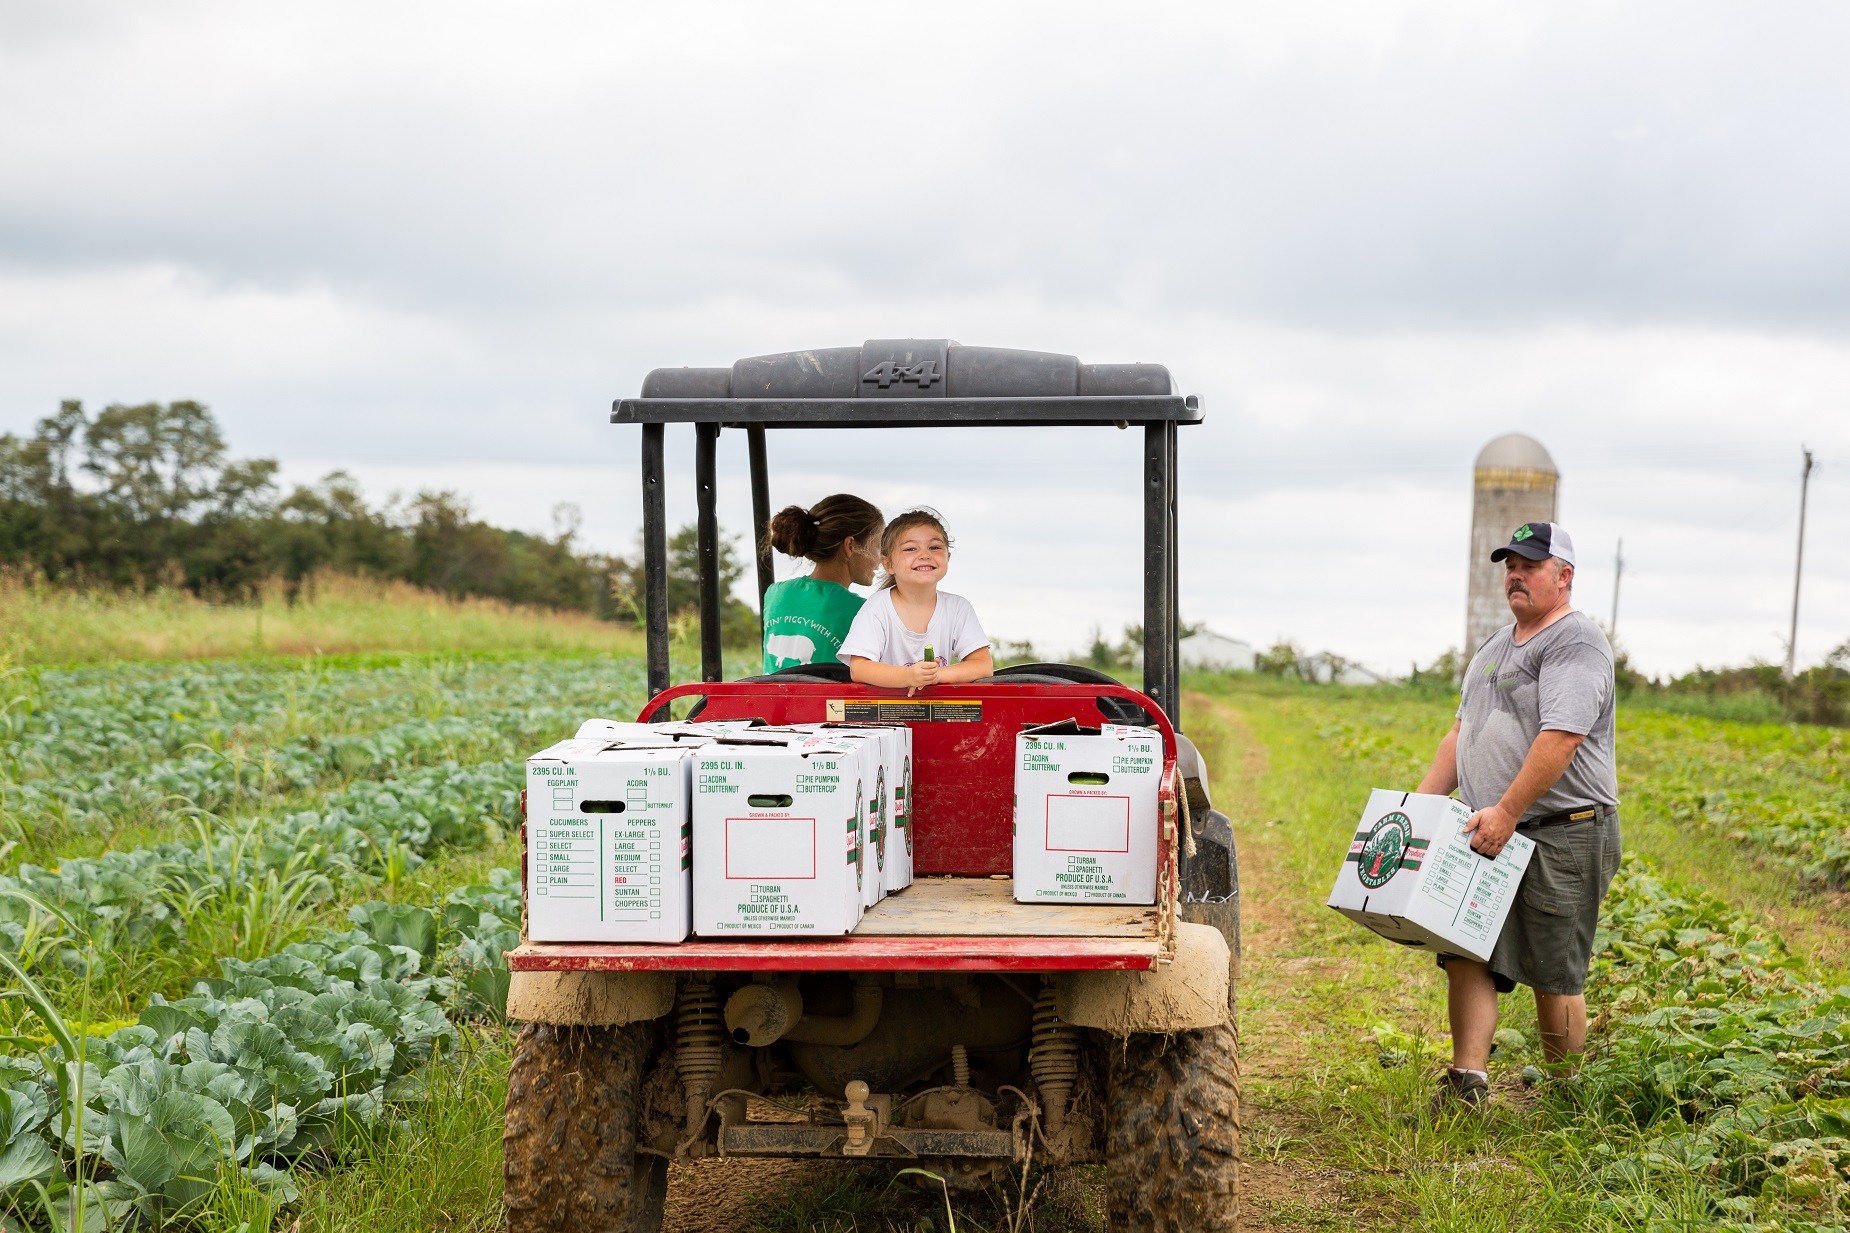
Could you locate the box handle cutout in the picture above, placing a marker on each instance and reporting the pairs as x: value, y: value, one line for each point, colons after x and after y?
x: 600, y: 807
x: 768, y: 802
x: 1089, y: 778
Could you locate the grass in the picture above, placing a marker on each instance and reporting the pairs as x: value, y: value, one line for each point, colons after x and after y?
x: 334, y: 615
x: 1746, y: 708
x: 1344, y: 1034
x: 881, y: 1198
x: 439, y: 1168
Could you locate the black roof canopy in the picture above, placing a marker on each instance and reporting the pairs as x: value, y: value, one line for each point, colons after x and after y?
x: 900, y: 383
x: 909, y: 382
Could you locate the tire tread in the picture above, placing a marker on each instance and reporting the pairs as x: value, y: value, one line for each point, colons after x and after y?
x: 1172, y: 1136
x: 569, y: 1143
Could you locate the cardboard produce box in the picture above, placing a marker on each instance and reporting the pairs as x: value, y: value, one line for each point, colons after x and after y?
x: 869, y: 744
x: 608, y: 842
x: 876, y: 816
x: 899, y: 839
x: 1086, y: 813
x: 777, y: 835
x: 896, y: 854
x: 891, y: 853
x: 1412, y: 877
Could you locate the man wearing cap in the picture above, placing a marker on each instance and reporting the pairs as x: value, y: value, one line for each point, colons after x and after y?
x: 1532, y: 750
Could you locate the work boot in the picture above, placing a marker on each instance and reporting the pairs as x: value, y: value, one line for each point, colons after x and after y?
x: 1459, y: 1088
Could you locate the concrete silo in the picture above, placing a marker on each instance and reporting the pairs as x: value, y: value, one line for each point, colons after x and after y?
x: 1515, y: 481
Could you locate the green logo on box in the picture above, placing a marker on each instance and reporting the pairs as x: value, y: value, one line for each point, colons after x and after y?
x: 1384, y: 850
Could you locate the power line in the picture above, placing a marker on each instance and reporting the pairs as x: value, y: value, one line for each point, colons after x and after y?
x: 1618, y: 574
x: 1798, y: 567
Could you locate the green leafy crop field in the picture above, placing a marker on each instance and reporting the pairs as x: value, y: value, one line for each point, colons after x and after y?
x: 252, y: 914
x: 266, y: 902
x: 1716, y: 1090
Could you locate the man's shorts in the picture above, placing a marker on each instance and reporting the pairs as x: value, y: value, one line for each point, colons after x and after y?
x: 1547, y: 941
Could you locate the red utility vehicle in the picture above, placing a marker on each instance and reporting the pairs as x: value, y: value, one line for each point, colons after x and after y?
x: 954, y: 1029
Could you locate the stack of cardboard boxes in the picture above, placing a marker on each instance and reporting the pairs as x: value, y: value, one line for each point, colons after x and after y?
x: 647, y: 832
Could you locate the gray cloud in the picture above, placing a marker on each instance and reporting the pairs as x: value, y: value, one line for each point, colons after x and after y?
x: 431, y: 242
x: 1426, y: 164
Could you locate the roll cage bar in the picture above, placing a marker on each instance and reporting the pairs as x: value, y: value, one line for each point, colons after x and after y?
x: 906, y: 383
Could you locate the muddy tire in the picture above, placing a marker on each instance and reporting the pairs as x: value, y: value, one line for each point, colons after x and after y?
x: 1172, y: 1133
x: 570, y: 1158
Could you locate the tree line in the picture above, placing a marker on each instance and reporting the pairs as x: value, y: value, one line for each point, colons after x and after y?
x: 147, y: 496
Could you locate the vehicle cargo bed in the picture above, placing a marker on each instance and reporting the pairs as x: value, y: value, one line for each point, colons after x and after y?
x: 936, y: 924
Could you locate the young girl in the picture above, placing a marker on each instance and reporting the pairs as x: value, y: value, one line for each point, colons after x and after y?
x: 910, y: 634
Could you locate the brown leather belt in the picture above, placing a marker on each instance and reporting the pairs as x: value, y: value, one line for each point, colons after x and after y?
x: 1584, y: 813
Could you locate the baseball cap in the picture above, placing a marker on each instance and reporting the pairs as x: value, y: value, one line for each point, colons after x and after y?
x: 1538, y: 541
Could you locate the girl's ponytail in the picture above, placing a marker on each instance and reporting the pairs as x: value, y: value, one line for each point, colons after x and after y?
x: 818, y: 532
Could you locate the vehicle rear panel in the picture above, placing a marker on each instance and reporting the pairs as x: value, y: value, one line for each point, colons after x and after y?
x: 959, y: 914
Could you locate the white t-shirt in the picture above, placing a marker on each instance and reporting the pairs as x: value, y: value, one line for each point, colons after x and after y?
x: 878, y: 634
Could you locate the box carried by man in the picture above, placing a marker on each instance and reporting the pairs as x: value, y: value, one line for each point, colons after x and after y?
x: 1412, y: 877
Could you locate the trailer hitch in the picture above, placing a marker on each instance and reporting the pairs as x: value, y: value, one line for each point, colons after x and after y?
x: 865, y: 1123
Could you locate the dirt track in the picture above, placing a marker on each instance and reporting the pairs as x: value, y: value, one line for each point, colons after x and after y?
x: 717, y: 1196
x: 1271, y: 1047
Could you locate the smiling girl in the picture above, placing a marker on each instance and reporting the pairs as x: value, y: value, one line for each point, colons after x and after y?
x: 909, y: 616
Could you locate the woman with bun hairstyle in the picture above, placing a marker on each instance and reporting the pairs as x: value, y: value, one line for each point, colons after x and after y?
x: 806, y: 618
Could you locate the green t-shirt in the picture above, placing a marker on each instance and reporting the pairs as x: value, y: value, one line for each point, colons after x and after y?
x: 805, y: 621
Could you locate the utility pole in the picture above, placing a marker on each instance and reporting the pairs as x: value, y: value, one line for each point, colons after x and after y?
x: 1618, y: 574
x: 1798, y: 568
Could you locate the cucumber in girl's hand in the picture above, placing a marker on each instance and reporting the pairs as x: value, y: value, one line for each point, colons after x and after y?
x: 931, y: 657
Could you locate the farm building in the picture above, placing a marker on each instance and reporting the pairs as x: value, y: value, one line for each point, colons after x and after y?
x: 1208, y: 651
x: 1327, y: 668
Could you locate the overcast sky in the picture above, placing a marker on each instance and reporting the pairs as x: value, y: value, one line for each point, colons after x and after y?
x: 429, y: 244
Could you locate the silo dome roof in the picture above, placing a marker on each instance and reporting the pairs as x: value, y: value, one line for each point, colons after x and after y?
x: 1515, y: 452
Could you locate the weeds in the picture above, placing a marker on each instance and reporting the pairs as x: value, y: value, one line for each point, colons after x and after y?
x: 336, y: 614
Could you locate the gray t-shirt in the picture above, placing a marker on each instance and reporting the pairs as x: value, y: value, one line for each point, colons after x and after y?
x: 1560, y: 680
